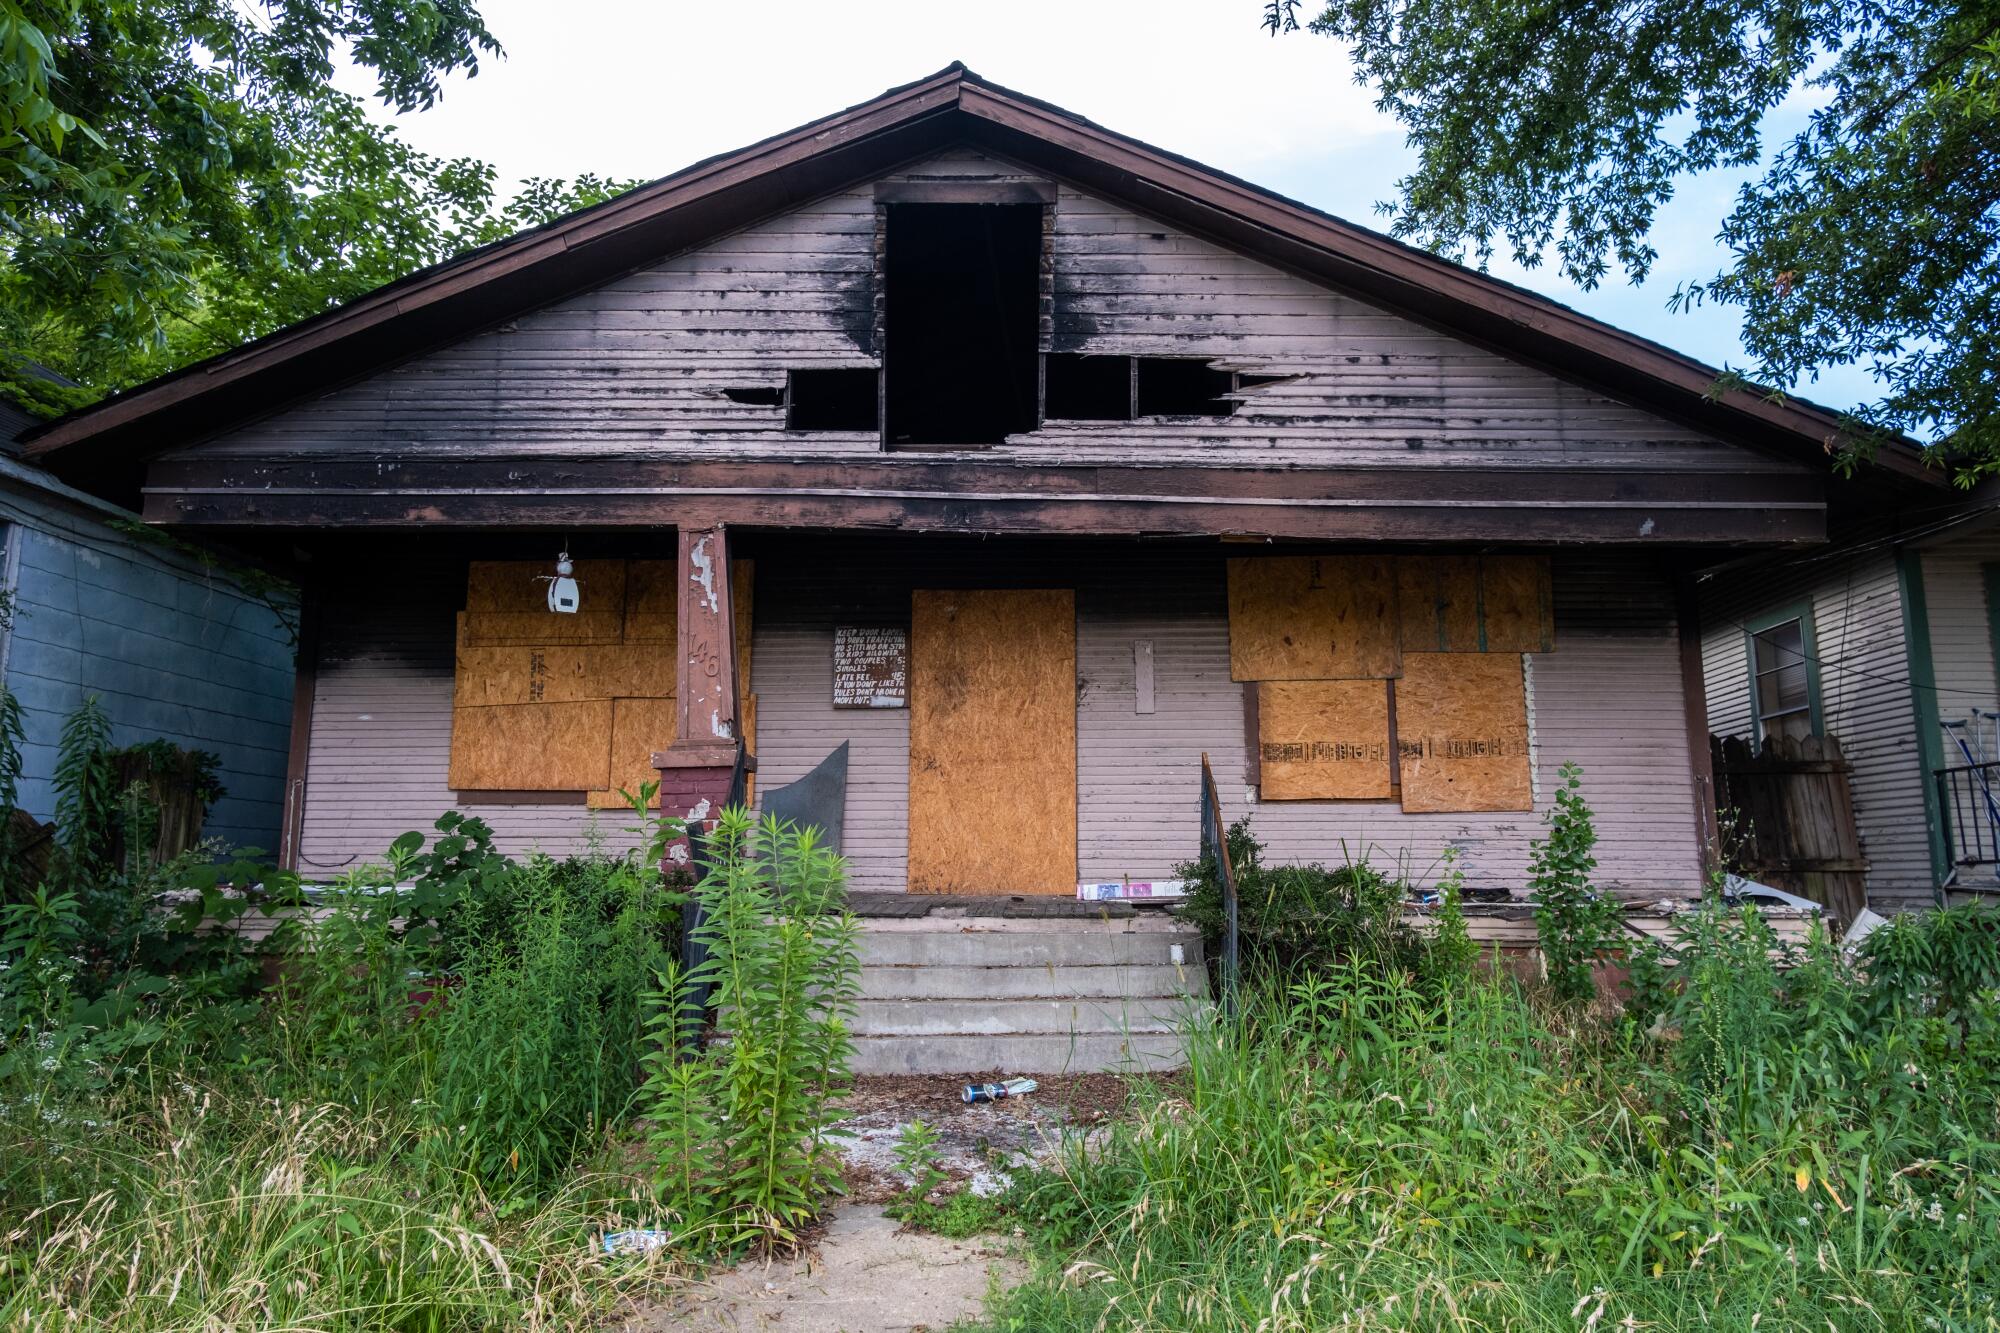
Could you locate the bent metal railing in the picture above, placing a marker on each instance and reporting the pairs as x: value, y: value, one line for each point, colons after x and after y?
x: 1968, y: 798
x: 1215, y: 842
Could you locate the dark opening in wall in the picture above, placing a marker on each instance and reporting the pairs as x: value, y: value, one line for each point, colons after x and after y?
x: 1076, y: 387
x: 831, y: 400
x: 758, y: 397
x: 962, y: 299
x: 1170, y: 387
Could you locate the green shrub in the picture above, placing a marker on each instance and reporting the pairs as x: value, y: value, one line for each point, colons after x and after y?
x: 1575, y: 922
x: 537, y: 1043
x: 1291, y: 917
x: 740, y: 1129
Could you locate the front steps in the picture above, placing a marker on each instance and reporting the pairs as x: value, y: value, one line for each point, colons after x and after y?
x: 955, y: 994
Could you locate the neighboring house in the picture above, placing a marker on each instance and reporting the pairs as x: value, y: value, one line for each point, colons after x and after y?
x: 1061, y: 461
x: 165, y: 636
x: 1886, y: 640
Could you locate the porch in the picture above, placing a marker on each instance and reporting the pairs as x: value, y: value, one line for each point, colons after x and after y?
x: 1109, y: 784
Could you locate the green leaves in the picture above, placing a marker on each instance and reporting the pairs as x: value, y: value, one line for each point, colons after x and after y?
x: 1871, y: 237
x: 1575, y: 922
x: 178, y: 178
x: 739, y: 1129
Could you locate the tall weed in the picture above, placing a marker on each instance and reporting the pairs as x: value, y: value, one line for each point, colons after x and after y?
x: 752, y: 1111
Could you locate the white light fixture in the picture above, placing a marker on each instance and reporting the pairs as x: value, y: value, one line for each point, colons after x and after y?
x: 564, y: 595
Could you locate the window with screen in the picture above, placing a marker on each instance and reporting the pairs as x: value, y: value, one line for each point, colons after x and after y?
x: 1783, y: 686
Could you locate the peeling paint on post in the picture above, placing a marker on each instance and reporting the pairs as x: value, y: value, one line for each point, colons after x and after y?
x: 696, y: 768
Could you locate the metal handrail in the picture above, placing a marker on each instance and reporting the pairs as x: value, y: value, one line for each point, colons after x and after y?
x: 1968, y: 798
x: 1215, y: 841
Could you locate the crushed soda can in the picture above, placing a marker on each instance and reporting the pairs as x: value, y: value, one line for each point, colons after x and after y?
x: 635, y: 1242
x: 994, y: 1092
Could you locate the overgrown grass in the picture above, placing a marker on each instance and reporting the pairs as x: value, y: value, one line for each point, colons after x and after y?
x: 1369, y: 1150
x: 168, y: 1205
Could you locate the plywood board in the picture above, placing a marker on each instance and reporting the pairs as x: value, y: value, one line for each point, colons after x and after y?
x: 531, y: 747
x: 652, y: 601
x: 560, y: 673
x: 638, y: 727
x: 1438, y: 600
x: 742, y: 610
x: 993, y: 742
x: 1323, y: 740
x: 1313, y: 618
x: 1462, y: 733
x: 1516, y: 604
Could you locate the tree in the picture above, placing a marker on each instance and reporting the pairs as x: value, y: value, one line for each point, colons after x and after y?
x: 179, y: 176
x: 1869, y: 237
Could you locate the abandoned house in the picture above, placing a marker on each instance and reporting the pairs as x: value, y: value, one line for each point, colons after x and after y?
x: 1854, y: 695
x: 1029, y: 463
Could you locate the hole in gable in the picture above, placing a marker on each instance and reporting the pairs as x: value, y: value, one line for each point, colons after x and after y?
x: 832, y: 400
x: 1078, y: 387
x: 1177, y: 387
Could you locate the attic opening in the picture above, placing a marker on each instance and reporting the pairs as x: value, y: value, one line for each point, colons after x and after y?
x: 961, y: 316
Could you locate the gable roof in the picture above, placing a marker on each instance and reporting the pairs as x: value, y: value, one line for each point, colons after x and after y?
x: 472, y: 291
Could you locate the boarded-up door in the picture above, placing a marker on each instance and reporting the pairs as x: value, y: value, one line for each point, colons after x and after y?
x: 993, y: 742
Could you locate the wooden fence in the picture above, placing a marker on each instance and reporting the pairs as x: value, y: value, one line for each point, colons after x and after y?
x: 1787, y: 811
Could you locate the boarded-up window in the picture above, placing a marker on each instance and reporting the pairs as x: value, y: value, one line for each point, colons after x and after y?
x: 1324, y: 740
x: 1312, y: 618
x: 1317, y: 634
x: 1462, y: 733
x: 554, y: 702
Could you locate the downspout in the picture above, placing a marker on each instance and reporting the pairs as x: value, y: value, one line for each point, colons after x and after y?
x: 1923, y: 704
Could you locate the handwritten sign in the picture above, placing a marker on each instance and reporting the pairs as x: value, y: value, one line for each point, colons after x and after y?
x: 871, y: 667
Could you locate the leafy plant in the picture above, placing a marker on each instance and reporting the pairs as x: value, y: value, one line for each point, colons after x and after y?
x: 1863, y: 235
x: 917, y: 1158
x: 1295, y: 916
x: 1576, y: 924
x: 781, y: 958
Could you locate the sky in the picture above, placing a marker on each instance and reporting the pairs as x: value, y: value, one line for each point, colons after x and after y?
x: 640, y: 88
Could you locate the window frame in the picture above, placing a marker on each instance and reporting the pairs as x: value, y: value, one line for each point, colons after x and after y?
x: 1802, y: 612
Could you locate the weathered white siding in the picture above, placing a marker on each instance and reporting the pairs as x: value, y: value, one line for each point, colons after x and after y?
x: 1961, y: 630
x: 639, y: 367
x: 1865, y: 690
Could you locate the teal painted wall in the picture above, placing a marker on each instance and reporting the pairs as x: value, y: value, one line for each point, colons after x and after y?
x: 172, y: 649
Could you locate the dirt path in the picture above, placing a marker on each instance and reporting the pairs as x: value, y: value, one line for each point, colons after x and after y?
x: 864, y: 1276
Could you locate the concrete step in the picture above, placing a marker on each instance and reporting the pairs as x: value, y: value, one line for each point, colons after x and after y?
x: 986, y: 1017
x: 1024, y: 982
x: 1080, y: 945
x: 1018, y: 1054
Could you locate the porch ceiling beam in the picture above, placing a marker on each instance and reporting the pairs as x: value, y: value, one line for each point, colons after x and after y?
x: 1445, y: 504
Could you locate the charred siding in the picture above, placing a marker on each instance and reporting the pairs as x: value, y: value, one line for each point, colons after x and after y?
x: 642, y: 366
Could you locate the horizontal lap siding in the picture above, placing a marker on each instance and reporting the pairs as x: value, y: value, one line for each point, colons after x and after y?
x: 640, y: 366
x: 172, y: 651
x: 1961, y: 630
x: 1865, y: 695
x: 1608, y: 698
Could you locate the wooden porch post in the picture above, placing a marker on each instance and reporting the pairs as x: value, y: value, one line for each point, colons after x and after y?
x: 1694, y: 697
x: 695, y: 770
